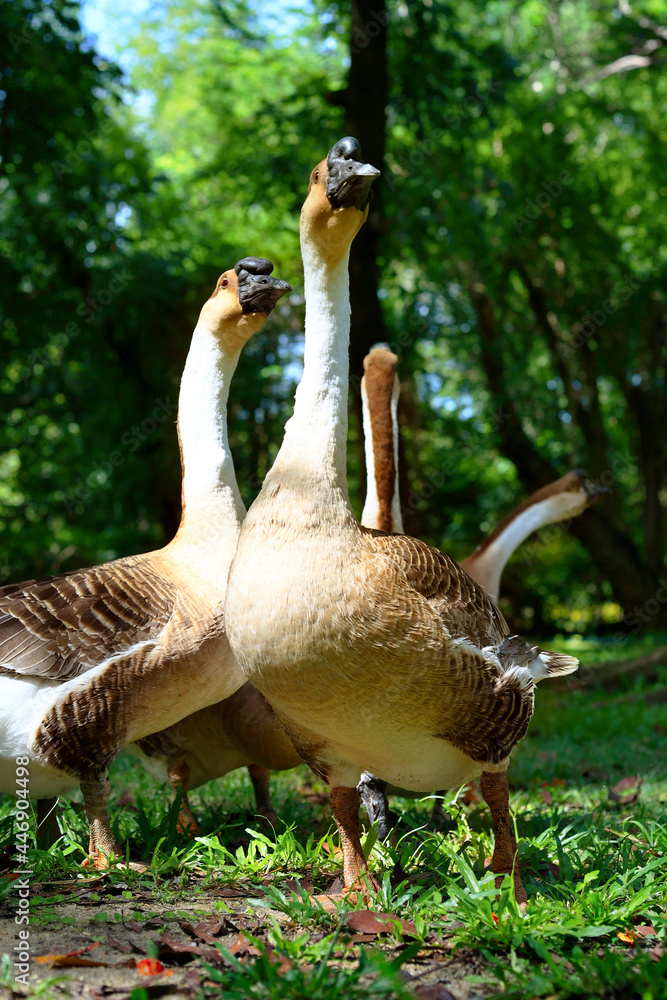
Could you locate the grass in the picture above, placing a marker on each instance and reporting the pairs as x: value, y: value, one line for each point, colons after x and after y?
x: 594, y: 869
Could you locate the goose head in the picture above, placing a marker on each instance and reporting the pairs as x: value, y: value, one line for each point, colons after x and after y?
x: 381, y: 364
x: 242, y: 300
x: 336, y: 206
x: 568, y: 496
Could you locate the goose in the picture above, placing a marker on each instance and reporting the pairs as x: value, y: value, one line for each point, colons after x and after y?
x: 100, y: 657
x: 240, y: 731
x: 375, y: 650
x: 561, y: 500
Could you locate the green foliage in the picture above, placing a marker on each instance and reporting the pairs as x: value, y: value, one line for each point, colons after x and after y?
x: 515, y: 166
x: 275, y: 974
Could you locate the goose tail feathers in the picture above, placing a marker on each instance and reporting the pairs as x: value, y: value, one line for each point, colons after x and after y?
x: 540, y: 663
x: 549, y: 665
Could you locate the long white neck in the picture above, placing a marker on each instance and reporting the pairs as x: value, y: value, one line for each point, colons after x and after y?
x: 316, y: 435
x: 381, y: 511
x: 487, y: 564
x: 209, y: 480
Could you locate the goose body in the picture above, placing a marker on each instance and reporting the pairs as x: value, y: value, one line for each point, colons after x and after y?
x: 101, y: 657
x: 376, y: 650
x: 565, y: 498
x: 240, y: 731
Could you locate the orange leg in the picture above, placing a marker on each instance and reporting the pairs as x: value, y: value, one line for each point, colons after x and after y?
x: 179, y: 775
x: 260, y: 782
x: 345, y: 806
x: 102, y: 846
x: 495, y: 789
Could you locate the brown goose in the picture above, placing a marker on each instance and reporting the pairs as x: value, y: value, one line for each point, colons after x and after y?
x: 376, y: 651
x: 561, y: 500
x: 95, y: 659
x: 241, y: 731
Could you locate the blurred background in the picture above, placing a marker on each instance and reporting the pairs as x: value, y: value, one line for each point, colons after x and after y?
x: 512, y: 259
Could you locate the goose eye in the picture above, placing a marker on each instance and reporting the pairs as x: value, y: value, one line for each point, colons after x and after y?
x: 316, y: 176
x: 224, y: 282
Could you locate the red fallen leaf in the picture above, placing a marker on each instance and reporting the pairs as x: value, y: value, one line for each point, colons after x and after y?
x: 241, y: 946
x: 70, y: 956
x: 545, y: 795
x: 626, y: 791
x: 495, y: 919
x: 627, y: 937
x: 368, y: 922
x: 657, y: 951
x: 645, y: 930
x: 151, y: 967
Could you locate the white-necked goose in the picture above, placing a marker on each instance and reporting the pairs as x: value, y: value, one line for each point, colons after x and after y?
x: 561, y: 500
x: 376, y: 651
x: 95, y: 659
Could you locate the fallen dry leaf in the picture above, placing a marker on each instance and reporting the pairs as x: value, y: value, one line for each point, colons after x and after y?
x: 645, y: 930
x: 243, y: 947
x: 206, y: 932
x: 126, y: 947
x: 302, y: 883
x: 626, y: 791
x: 177, y: 952
x: 71, y: 957
x: 368, y: 922
x: 627, y: 937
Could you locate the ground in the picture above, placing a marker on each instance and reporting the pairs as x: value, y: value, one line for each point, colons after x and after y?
x: 232, y: 913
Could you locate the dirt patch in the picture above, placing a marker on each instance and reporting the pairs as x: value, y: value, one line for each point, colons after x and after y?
x: 106, y: 941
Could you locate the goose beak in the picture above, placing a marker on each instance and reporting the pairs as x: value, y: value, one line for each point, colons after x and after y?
x: 348, y: 179
x: 258, y: 291
x: 592, y: 489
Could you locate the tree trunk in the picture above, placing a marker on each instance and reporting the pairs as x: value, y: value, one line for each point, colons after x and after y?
x: 635, y: 588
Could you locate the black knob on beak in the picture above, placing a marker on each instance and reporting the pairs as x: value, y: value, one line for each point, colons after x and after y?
x: 258, y: 291
x: 348, y: 179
